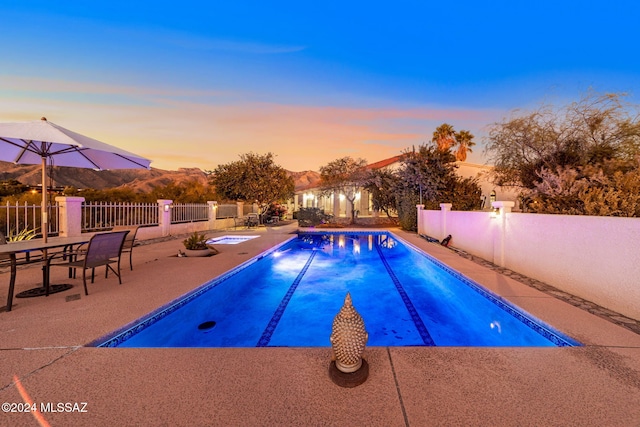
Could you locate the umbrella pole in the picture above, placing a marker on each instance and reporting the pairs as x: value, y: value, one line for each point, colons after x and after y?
x: 44, y: 213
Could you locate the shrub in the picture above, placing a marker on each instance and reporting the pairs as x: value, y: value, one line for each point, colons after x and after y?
x: 310, y: 217
x: 195, y: 241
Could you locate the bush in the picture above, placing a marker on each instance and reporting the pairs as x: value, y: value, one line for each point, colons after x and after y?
x: 310, y: 217
x: 407, y: 212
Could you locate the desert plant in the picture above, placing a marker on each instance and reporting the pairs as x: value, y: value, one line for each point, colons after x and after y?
x: 195, y: 241
x: 25, y: 234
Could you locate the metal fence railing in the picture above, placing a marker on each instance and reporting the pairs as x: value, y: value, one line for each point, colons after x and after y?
x: 189, y: 212
x: 22, y: 217
x: 106, y: 215
x: 97, y: 216
x: 227, y: 211
x: 247, y: 209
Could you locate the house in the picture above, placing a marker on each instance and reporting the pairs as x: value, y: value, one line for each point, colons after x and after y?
x: 339, y: 206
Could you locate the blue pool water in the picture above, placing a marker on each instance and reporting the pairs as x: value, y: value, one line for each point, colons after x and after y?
x: 289, y: 296
x: 230, y: 240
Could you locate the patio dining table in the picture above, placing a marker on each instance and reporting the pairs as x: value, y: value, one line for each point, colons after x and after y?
x: 37, y: 245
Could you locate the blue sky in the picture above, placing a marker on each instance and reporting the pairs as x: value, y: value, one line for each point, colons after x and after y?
x: 195, y: 84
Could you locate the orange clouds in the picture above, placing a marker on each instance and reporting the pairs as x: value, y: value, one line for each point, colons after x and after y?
x: 178, y: 128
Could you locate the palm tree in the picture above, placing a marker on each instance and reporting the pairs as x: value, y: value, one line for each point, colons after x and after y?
x: 464, y: 140
x: 444, y: 136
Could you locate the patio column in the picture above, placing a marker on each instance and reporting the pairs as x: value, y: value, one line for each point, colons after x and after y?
x: 69, y: 216
x: 212, y: 208
x: 336, y: 204
x: 420, y: 221
x: 498, y: 239
x: 445, y: 208
x: 240, y: 211
x: 164, y: 216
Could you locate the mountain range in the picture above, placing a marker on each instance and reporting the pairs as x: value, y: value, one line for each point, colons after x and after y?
x: 140, y: 180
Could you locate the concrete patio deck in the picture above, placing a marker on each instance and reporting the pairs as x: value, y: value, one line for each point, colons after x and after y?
x: 42, y: 346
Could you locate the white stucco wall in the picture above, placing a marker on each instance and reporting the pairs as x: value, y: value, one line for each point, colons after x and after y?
x: 595, y: 258
x: 472, y: 230
x: 431, y: 224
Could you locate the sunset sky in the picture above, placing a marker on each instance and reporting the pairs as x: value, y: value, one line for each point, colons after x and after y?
x: 195, y: 84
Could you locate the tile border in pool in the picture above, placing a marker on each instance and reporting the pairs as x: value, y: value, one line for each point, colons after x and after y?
x: 552, y: 334
x: 113, y: 339
x: 120, y: 335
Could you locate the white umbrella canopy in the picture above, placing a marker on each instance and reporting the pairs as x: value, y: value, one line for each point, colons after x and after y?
x: 43, y: 142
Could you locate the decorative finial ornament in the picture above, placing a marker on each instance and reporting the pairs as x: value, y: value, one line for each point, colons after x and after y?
x: 348, y: 340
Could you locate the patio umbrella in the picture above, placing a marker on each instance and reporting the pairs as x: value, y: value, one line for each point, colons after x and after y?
x: 43, y: 142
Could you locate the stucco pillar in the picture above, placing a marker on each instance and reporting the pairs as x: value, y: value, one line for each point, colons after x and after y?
x: 420, y: 209
x: 498, y: 241
x: 445, y: 208
x: 164, y: 216
x: 212, y: 208
x: 240, y: 211
x: 70, y: 216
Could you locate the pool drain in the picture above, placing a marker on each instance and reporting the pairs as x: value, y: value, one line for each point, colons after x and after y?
x: 206, y: 325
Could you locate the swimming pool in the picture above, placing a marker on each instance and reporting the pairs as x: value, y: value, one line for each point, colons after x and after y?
x: 288, y: 296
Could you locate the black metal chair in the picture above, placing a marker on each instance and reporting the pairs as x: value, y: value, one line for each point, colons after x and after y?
x: 103, y: 249
x: 252, y: 220
x: 129, y: 241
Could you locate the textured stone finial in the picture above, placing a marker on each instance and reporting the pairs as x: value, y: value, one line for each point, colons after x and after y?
x: 348, y: 337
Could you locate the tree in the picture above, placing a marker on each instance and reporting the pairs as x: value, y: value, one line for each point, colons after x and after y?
x: 444, y: 137
x: 345, y: 176
x: 192, y: 191
x: 12, y: 187
x: 117, y: 194
x: 464, y: 142
x: 587, y: 191
x: 427, y: 176
x: 592, y: 131
x: 382, y: 185
x: 426, y: 173
x: 253, y: 178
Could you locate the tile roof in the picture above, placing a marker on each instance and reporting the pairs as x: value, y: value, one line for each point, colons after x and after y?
x: 386, y: 162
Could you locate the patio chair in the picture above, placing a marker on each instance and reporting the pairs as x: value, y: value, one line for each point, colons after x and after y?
x: 129, y: 241
x: 252, y: 220
x: 103, y: 249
